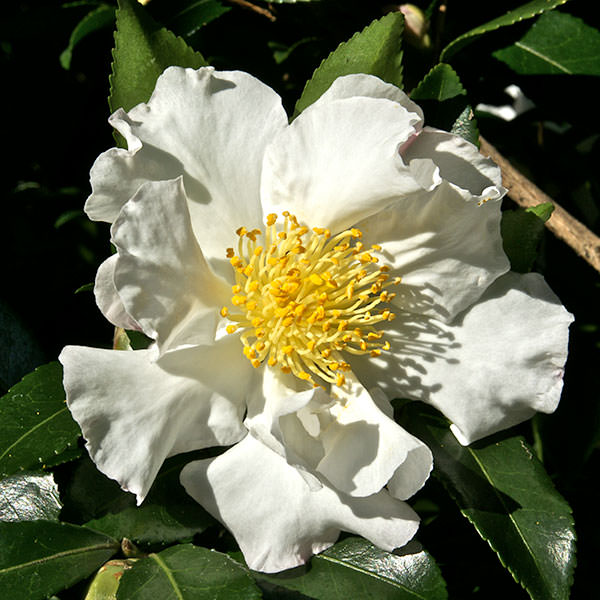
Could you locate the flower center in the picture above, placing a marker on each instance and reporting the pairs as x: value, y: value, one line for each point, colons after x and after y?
x: 302, y: 300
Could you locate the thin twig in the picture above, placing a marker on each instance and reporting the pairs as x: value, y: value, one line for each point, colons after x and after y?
x: 562, y: 224
x: 257, y: 9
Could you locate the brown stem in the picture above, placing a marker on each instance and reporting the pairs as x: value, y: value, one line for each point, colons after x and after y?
x: 257, y: 9
x: 561, y: 223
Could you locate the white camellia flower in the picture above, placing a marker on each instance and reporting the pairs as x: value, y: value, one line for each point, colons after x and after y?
x: 294, y: 278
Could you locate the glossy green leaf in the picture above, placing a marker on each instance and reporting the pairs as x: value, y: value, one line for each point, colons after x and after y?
x: 443, y: 99
x: 557, y: 43
x: 526, y: 11
x: 354, y: 568
x: 35, y: 423
x: 29, y: 497
x: 503, y: 490
x: 376, y: 50
x: 143, y: 50
x: 100, y: 18
x: 522, y: 231
x: 167, y: 515
x: 187, y: 572
x: 39, y: 558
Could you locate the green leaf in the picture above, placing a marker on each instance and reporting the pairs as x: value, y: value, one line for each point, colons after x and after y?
x: 29, y: 497
x: 35, y: 423
x: 465, y: 125
x: 195, y: 16
x: 100, y: 18
x: 557, y: 43
x: 522, y: 231
x: 187, y: 572
x: 354, y: 565
x: 167, y: 515
x: 39, y: 558
x: 105, y: 584
x: 503, y: 490
x: 143, y: 50
x: 376, y: 50
x: 441, y: 83
x: 443, y: 99
x: 526, y: 11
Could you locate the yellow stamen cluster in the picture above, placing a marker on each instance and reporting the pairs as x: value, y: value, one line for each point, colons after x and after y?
x: 300, y: 302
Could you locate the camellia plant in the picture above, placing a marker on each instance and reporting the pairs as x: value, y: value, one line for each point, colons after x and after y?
x: 331, y: 331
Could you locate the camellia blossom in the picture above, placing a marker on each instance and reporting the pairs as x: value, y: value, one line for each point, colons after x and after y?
x: 293, y: 279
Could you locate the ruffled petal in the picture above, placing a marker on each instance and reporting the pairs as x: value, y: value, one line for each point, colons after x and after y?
x: 493, y: 367
x: 161, y: 275
x: 108, y: 299
x: 338, y: 162
x: 364, y: 448
x: 446, y: 246
x: 278, y: 522
x: 457, y: 161
x: 212, y: 128
x: 134, y: 413
x: 369, y: 86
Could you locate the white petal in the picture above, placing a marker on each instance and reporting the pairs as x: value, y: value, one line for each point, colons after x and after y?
x: 211, y: 127
x: 364, y: 448
x: 446, y: 247
x: 459, y: 162
x: 276, y: 519
x: 108, y: 299
x: 493, y: 367
x: 133, y: 413
x: 338, y: 162
x: 369, y: 86
x: 161, y: 275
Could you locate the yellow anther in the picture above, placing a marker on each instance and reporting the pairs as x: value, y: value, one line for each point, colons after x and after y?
x: 386, y: 346
x: 376, y: 247
x: 375, y: 352
x: 314, y: 278
x: 297, y: 315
